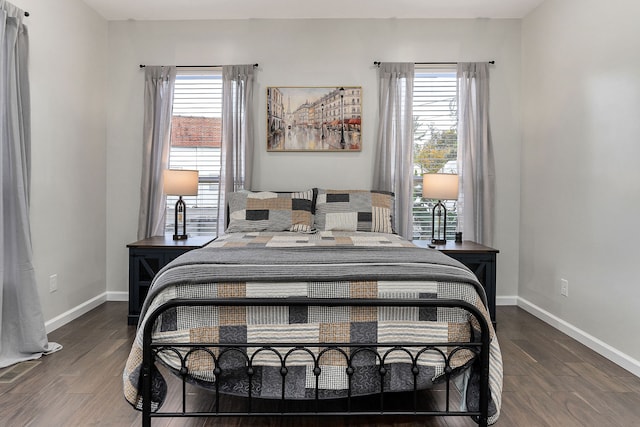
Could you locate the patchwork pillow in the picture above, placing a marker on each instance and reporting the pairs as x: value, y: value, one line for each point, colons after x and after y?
x: 269, y: 211
x: 354, y: 210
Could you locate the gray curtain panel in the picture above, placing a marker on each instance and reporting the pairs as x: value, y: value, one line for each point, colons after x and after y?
x: 158, y: 109
x: 22, y: 331
x: 393, y: 169
x: 475, y: 154
x: 236, y: 155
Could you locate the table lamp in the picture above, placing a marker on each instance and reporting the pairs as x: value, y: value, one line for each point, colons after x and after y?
x: 439, y: 186
x: 180, y: 183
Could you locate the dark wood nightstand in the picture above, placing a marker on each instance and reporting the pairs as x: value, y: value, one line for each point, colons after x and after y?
x: 146, y: 259
x: 478, y: 258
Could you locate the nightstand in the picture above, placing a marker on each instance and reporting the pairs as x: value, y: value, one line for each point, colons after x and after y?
x: 146, y: 258
x: 480, y: 259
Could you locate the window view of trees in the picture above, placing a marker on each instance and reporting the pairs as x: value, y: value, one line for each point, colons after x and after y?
x: 433, y: 148
x: 435, y: 124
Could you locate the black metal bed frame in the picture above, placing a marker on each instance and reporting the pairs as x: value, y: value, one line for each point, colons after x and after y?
x: 479, y: 347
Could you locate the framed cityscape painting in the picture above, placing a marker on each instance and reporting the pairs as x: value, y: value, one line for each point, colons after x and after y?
x: 314, y: 118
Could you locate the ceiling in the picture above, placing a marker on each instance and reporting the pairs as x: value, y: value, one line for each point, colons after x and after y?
x: 292, y: 9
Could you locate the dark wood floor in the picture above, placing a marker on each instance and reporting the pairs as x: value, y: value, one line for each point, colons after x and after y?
x: 550, y: 380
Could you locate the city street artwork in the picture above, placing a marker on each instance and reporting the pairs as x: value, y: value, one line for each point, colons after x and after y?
x: 314, y: 118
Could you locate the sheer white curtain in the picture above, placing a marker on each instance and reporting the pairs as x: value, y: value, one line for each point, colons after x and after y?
x: 393, y: 169
x: 22, y: 331
x: 237, y: 134
x: 158, y: 109
x: 475, y: 154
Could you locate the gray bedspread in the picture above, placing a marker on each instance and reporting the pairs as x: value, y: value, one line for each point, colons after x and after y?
x: 322, y: 265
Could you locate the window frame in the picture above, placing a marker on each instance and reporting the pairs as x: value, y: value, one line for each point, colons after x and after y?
x: 422, y: 208
x: 205, y: 205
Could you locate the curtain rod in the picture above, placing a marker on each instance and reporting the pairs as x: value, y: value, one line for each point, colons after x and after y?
x: 377, y: 63
x: 198, y: 66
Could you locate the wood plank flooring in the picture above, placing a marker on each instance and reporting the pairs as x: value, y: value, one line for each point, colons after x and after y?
x: 550, y: 380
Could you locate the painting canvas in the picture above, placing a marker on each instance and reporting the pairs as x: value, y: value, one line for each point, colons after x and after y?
x: 314, y: 118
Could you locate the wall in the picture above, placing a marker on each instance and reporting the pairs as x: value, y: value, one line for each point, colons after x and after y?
x: 68, y: 43
x: 580, y: 102
x: 580, y: 177
x: 307, y: 53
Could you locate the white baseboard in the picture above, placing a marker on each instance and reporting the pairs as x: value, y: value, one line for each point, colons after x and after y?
x: 118, y: 296
x: 74, y: 313
x: 616, y: 356
x: 85, y: 307
x: 507, y: 300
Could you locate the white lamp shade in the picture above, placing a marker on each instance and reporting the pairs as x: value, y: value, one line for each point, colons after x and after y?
x: 440, y: 186
x: 180, y: 182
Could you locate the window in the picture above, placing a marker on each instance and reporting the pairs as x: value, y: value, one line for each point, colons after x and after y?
x: 435, y: 123
x: 196, y: 136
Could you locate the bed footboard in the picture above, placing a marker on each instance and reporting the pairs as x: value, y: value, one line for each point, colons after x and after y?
x: 381, y: 351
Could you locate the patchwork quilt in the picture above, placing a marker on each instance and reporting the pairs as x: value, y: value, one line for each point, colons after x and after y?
x: 328, y: 264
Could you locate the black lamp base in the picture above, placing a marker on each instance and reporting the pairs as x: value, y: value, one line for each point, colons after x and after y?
x: 439, y: 211
x: 180, y: 217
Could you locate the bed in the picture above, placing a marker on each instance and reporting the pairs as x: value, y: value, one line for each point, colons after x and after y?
x: 310, y: 297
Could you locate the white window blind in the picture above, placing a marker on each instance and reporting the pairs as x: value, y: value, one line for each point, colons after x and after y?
x: 196, y: 135
x: 435, y: 123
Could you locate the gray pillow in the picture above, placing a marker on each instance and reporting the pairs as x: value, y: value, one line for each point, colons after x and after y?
x: 354, y: 210
x: 269, y: 211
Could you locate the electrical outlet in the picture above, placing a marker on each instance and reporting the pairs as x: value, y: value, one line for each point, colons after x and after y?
x: 564, y: 287
x: 53, y: 283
